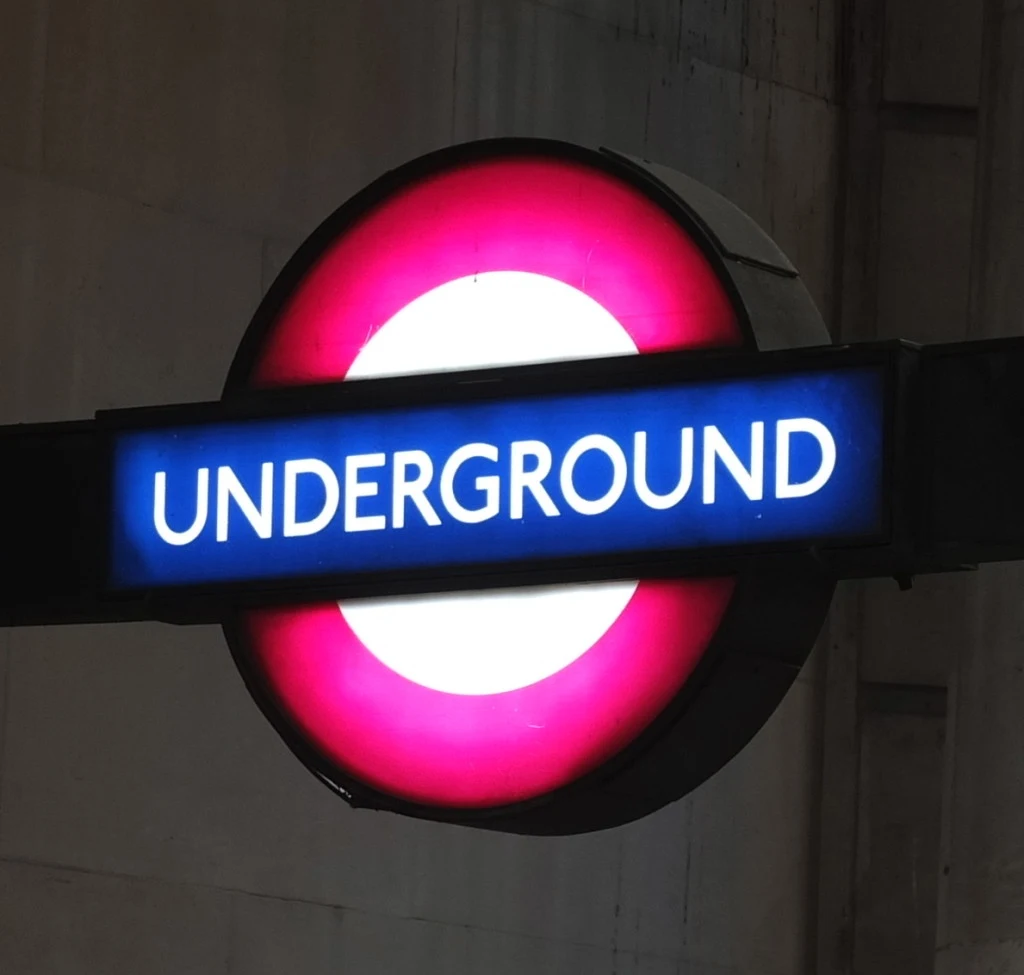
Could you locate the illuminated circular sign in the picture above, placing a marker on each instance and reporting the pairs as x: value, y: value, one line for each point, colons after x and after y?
x: 524, y: 709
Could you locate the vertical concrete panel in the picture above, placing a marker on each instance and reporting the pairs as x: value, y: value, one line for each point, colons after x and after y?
x: 739, y: 847
x: 988, y: 959
x: 67, y: 923
x: 5, y: 663
x: 912, y: 637
x: 529, y: 69
x: 836, y: 844
x: 793, y: 42
x: 110, y: 304
x: 375, y: 945
x: 790, y: 42
x: 925, y: 246
x: 652, y: 886
x: 932, y: 52
x: 564, y: 888
x: 800, y: 184
x: 383, y: 92
x: 22, y: 66
x: 897, y: 852
x: 982, y: 903
x: 716, y: 33
x: 981, y: 915
x: 712, y: 123
x: 268, y: 936
x: 258, y: 113
x: 999, y: 254
x: 767, y: 148
x: 750, y: 850
x: 984, y: 896
x: 655, y: 20
x: 13, y: 269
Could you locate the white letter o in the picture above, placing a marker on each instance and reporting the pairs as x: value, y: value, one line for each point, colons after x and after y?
x: 614, y: 452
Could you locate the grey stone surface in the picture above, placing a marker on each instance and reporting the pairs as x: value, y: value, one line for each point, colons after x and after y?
x: 792, y: 42
x: 746, y: 139
x: 654, y: 20
x: 789, y: 42
x: 932, y: 51
x: 984, y: 895
x: 108, y: 304
x: 268, y: 936
x: 276, y: 253
x: 836, y: 840
x: 22, y: 63
x: 751, y: 848
x: 999, y: 294
x: 897, y: 854
x: 64, y: 922
x: 981, y: 916
x: 486, y: 880
x: 1001, y: 958
x: 376, y: 945
x: 531, y: 69
x: 262, y: 114
x: 5, y: 659
x: 911, y: 637
x: 925, y: 248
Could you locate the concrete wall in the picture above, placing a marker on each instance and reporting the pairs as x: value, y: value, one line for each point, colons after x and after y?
x: 911, y: 162
x: 158, y: 161
x: 981, y: 907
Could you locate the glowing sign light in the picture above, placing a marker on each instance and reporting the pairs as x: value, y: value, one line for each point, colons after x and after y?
x: 497, y: 318
x: 501, y: 643
x: 508, y: 252
x: 736, y: 461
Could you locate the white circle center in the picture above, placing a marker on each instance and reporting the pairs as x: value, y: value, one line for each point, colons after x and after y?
x: 500, y: 318
x: 489, y: 643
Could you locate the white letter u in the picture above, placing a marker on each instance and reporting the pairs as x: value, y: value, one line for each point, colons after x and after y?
x: 164, y: 530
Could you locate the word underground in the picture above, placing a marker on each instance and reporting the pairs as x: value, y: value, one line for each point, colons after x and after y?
x: 730, y: 462
x: 527, y: 465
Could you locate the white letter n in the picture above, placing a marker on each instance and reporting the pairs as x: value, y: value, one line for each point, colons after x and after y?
x: 751, y: 482
x: 228, y: 487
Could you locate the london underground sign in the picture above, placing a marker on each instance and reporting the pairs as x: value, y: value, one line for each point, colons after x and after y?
x: 566, y: 680
x: 523, y: 504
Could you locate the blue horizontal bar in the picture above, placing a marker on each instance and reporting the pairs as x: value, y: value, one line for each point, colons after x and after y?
x: 595, y: 474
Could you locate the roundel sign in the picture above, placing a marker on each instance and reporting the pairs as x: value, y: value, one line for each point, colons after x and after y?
x: 553, y: 709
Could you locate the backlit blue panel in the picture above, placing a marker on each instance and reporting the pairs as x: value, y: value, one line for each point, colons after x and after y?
x: 729, y: 462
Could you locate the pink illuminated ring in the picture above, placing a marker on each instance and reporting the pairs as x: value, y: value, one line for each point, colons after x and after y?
x: 534, y: 208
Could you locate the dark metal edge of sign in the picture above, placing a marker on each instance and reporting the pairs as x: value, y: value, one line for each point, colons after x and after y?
x: 604, y: 374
